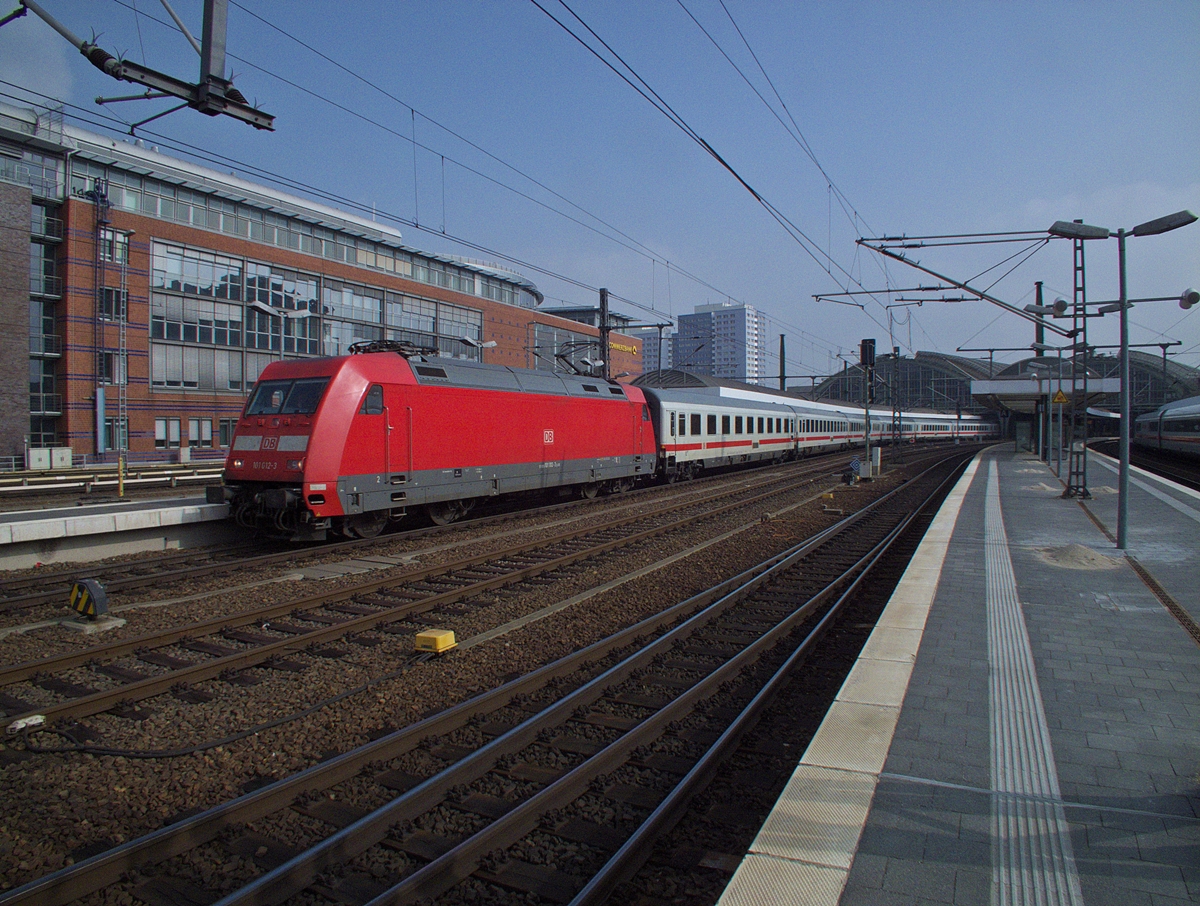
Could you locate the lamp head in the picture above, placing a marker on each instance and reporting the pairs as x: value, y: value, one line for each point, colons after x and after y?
x: 1065, y: 229
x: 1189, y: 298
x: 1164, y: 224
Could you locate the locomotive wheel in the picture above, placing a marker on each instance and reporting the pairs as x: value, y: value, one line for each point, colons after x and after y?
x: 590, y: 490
x: 366, y: 525
x: 445, y: 512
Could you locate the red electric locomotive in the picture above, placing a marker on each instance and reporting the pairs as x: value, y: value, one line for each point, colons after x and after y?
x: 346, y: 444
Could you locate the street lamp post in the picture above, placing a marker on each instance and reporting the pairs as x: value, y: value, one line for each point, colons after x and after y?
x: 1069, y: 230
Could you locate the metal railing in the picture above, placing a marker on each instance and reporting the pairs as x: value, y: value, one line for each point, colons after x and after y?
x: 45, y: 404
x: 45, y: 285
x: 45, y: 344
x: 46, y: 227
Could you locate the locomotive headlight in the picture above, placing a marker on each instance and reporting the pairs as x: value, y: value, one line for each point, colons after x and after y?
x: 237, y: 463
x: 295, y: 464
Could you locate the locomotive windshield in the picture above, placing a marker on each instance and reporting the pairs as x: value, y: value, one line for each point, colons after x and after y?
x: 299, y: 397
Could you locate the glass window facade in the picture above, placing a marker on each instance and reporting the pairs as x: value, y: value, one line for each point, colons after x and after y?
x: 42, y: 173
x: 200, y: 297
x: 155, y: 198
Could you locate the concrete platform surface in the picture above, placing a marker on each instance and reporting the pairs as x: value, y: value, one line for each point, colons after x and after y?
x: 1023, y: 726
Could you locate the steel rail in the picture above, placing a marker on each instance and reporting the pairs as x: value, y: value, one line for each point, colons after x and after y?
x: 630, y: 857
x: 155, y: 685
x: 350, y: 841
x: 119, y: 581
x: 112, y: 650
x: 126, y: 578
x: 459, y: 862
x: 107, y: 868
x: 87, y: 876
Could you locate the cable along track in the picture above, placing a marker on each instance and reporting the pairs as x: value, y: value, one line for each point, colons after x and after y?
x: 642, y: 719
x: 120, y: 674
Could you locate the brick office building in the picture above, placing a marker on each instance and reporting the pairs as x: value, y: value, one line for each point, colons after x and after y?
x: 155, y: 291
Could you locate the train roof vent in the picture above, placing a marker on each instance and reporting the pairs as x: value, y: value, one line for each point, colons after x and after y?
x: 616, y: 391
x: 591, y: 388
x: 431, y: 371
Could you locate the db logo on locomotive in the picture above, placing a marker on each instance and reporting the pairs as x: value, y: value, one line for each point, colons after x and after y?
x: 548, y: 436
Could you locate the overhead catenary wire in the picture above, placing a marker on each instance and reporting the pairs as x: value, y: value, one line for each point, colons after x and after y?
x: 212, y: 158
x: 647, y: 92
x: 630, y: 243
x: 415, y: 222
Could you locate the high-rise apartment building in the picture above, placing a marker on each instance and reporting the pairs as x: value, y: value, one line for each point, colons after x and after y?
x: 724, y: 340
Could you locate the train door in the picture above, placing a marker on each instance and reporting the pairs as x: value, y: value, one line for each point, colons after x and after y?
x: 368, y: 498
x: 376, y: 438
x: 393, y: 436
x: 640, y: 427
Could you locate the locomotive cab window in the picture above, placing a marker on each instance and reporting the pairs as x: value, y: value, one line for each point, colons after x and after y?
x: 373, y: 402
x: 298, y: 397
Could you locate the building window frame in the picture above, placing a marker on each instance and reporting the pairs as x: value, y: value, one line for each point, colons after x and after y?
x: 166, y: 433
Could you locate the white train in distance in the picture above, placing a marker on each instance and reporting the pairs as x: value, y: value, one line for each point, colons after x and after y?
x: 699, y: 428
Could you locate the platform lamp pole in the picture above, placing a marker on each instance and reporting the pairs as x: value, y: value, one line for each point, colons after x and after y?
x: 1069, y: 230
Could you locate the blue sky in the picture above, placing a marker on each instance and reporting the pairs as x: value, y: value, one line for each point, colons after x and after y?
x: 926, y: 118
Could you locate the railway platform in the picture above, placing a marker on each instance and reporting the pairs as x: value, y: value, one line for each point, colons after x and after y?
x: 95, y: 531
x: 1023, y: 725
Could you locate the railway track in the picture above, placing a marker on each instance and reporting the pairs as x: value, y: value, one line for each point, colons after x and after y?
x: 594, y: 755
x: 120, y: 674
x: 24, y: 592
x: 1175, y: 467
x: 51, y: 586
x: 25, y: 487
